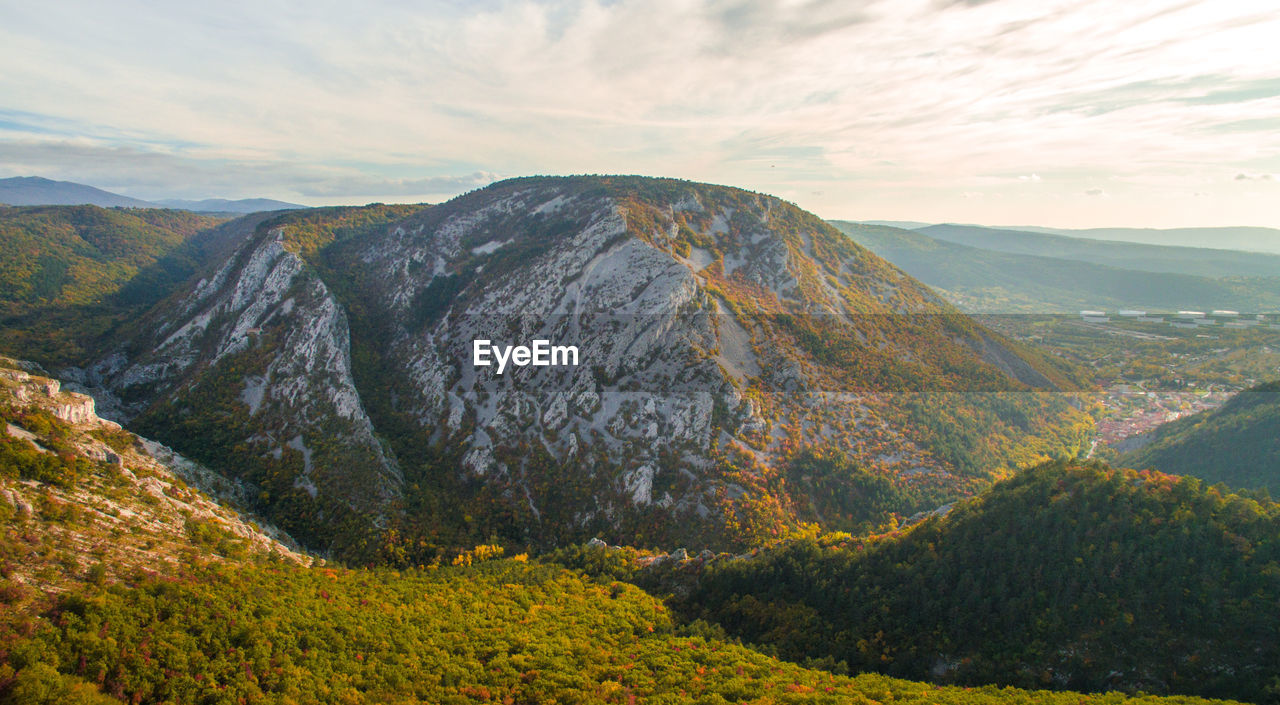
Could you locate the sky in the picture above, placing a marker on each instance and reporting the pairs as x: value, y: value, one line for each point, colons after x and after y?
x: 1085, y: 113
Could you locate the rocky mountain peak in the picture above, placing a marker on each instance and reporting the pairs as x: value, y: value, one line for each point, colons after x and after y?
x: 715, y: 331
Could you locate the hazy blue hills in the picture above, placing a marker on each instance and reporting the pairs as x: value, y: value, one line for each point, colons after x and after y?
x: 223, y: 205
x: 38, y: 191
x: 1251, y: 239
x: 1245, y: 238
x: 904, y: 224
x: 990, y: 280
x: 1199, y: 261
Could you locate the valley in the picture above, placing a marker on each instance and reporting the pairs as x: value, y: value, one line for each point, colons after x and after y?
x: 613, y: 352
x: 121, y: 582
x: 1150, y: 373
x: 781, y: 468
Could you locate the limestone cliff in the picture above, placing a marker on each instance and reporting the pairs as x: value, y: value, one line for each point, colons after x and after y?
x: 79, y: 495
x: 327, y: 361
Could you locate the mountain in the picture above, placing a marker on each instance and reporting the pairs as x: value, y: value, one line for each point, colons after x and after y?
x: 1249, y: 239
x: 997, y: 281
x: 327, y: 359
x: 903, y: 224
x: 70, y: 274
x: 222, y: 205
x: 1237, y: 443
x: 37, y: 191
x: 1198, y: 261
x: 1063, y: 576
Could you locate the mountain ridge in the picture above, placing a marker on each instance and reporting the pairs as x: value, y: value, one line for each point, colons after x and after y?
x: 39, y: 191
x: 994, y: 281
x: 696, y: 308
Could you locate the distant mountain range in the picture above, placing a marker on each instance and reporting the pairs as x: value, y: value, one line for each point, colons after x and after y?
x: 223, y: 205
x: 37, y: 191
x: 989, y: 270
x: 1199, y: 261
x: 1248, y: 239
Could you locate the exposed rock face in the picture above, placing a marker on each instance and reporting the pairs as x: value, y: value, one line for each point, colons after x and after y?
x: 644, y: 385
x: 70, y: 407
x: 75, y: 408
x: 137, y: 502
x: 704, y: 320
x: 296, y: 389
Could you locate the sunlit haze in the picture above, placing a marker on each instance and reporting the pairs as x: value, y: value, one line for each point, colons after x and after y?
x: 1066, y: 114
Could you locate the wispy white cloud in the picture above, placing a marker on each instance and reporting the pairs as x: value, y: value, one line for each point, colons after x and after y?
x: 361, y: 185
x: 889, y: 108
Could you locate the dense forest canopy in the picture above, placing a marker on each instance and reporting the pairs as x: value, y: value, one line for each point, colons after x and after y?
x: 1062, y: 576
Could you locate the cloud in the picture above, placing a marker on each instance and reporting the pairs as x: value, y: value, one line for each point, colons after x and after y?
x: 901, y: 105
x: 1030, y: 178
x: 1254, y: 177
x: 373, y: 186
x: 942, y: 4
x: 1095, y: 192
x: 775, y: 21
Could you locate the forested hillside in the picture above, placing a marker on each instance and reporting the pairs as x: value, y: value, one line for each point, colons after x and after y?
x: 1237, y: 444
x: 68, y: 274
x: 1063, y: 576
x: 500, y: 632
